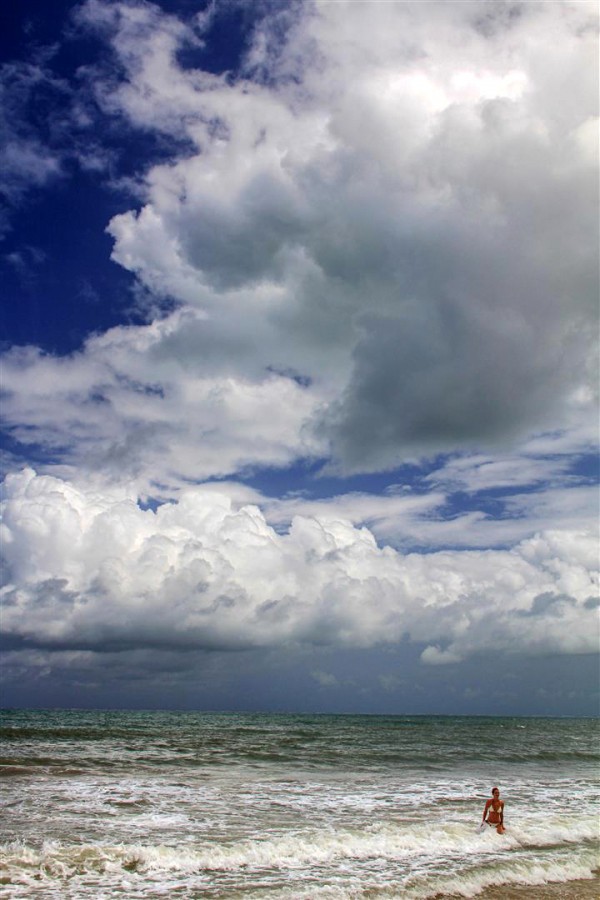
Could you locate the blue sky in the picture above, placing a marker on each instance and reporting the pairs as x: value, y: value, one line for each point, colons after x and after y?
x: 299, y: 355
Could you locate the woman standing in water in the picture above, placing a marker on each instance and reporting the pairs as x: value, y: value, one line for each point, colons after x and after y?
x: 493, y: 812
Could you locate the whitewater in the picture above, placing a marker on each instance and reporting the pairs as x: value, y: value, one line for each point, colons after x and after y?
x: 114, y: 804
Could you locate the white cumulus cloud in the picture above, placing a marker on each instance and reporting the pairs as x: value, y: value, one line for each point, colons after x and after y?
x: 145, y: 403
x: 382, y: 235
x: 412, y: 225
x: 373, y: 242
x: 90, y: 570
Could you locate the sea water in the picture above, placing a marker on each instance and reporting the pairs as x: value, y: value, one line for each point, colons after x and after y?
x: 182, y: 805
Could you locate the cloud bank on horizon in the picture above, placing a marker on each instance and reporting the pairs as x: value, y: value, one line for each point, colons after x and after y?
x: 97, y: 572
x: 373, y: 244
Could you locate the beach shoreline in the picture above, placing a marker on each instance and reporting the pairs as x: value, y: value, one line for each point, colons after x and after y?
x: 581, y: 889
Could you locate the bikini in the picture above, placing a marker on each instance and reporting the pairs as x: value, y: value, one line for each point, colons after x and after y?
x: 498, y: 812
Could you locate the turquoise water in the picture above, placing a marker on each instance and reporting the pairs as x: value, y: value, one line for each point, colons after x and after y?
x: 172, y: 804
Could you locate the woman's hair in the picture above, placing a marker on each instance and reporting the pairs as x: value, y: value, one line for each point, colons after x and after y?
x: 495, y: 789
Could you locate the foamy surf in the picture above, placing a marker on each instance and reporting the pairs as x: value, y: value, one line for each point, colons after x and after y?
x: 366, y: 859
x: 169, y: 821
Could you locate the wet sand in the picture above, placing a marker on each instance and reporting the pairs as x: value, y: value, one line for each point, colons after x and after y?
x: 588, y: 889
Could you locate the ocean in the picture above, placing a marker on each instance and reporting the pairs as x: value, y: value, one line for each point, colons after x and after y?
x: 116, y: 804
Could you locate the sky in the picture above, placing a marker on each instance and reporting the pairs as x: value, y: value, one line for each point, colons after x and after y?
x: 299, y: 355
